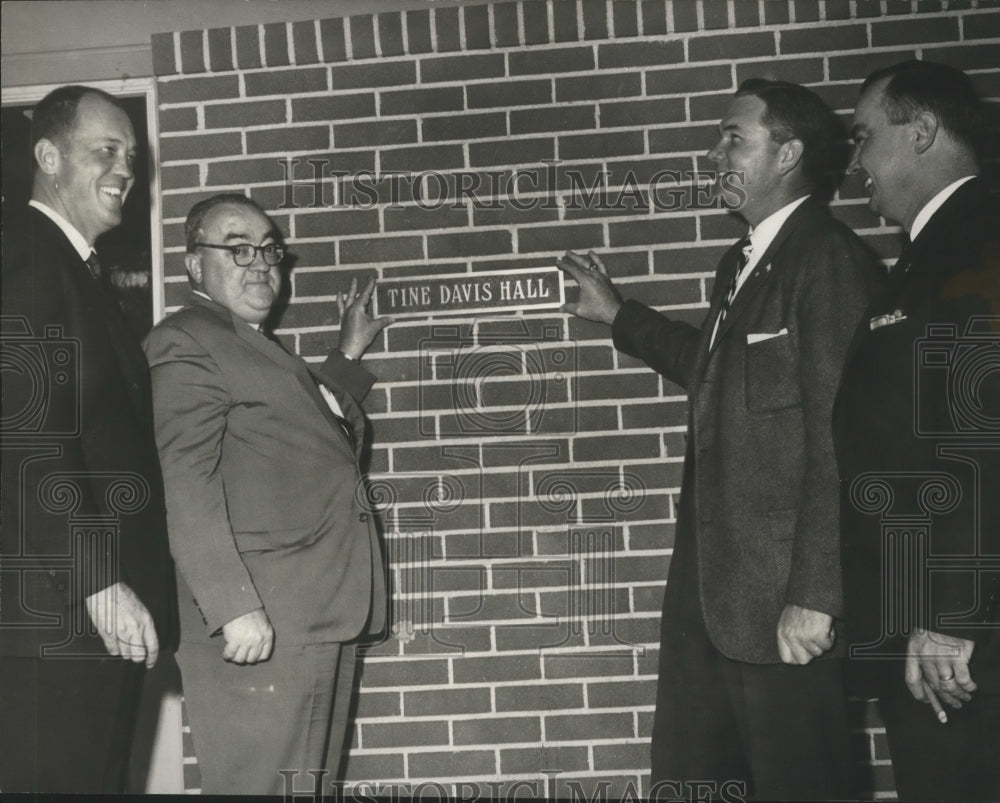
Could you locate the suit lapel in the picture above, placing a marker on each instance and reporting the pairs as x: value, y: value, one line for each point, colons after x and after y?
x: 275, y: 352
x: 761, y: 274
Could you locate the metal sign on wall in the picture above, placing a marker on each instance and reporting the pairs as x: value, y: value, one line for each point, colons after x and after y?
x: 470, y: 293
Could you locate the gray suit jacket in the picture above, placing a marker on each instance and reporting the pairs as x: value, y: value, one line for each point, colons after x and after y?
x: 757, y: 525
x: 264, y: 502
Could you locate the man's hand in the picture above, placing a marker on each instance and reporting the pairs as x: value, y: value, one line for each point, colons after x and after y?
x: 249, y: 638
x: 599, y: 300
x: 357, y: 328
x: 803, y: 634
x: 939, y: 664
x: 125, y: 625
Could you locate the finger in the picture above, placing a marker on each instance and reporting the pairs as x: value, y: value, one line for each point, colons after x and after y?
x: 152, y: 644
x: 341, y: 303
x: 266, y: 652
x: 825, y: 642
x: 240, y: 656
x: 379, y: 324
x: 110, y: 644
x: 802, y: 655
x: 229, y: 651
x: 933, y: 700
x: 253, y: 653
x: 785, y: 651
x: 948, y: 697
x: 573, y: 270
x: 577, y: 260
x: 914, y: 678
x: 366, y: 292
x: 598, y: 263
x: 963, y: 677
x: 352, y: 291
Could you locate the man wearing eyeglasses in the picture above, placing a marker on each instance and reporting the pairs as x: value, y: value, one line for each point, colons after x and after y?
x: 279, y: 563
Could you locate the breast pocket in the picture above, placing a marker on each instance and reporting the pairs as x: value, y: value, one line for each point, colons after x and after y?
x: 772, y: 376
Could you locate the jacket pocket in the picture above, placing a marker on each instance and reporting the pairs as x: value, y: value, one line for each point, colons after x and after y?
x: 771, y: 375
x: 251, y: 541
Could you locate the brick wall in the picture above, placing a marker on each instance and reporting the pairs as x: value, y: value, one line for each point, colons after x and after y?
x: 526, y: 473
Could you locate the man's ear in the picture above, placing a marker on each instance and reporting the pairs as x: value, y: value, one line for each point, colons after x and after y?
x: 925, y: 130
x: 47, y: 156
x: 193, y: 264
x: 790, y: 155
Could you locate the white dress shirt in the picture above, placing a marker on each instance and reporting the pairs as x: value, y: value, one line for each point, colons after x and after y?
x: 760, y: 238
x: 933, y: 205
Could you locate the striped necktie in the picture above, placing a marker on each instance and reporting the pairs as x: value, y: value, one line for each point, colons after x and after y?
x: 746, y: 249
x: 95, y: 266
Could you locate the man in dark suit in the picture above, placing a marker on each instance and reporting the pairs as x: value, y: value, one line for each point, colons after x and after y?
x: 279, y: 562
x: 750, y: 686
x: 917, y: 432
x: 86, y: 569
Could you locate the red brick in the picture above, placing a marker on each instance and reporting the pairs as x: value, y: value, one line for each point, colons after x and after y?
x: 505, y: 24
x: 286, y: 82
x: 178, y: 177
x: 446, y: 27
x: 276, y: 44
x: 451, y: 764
x: 163, y: 54
x: 189, y: 90
x: 496, y: 730
x: 361, y: 32
x: 652, y: 231
x: 364, y: 767
x: 332, y: 36
x: 304, y: 42
x: 683, y: 138
x: 477, y: 27
x: 199, y: 146
x: 621, y: 756
x: 286, y: 139
x: 623, y: 14
x: 981, y: 26
x: 557, y: 118
x: 857, y: 67
x: 658, y: 414
x: 382, y: 73
x: 654, y: 18
x: 447, y: 701
x: 541, y: 697
x: 573, y: 727
x: 240, y: 115
x: 536, y: 23
x: 464, y: 127
x: 183, y: 119
x: 639, y: 54
x: 445, y: 246
x: 619, y: 143
x: 382, y: 132
x: 629, y: 693
x: 333, y: 107
x: 511, y: 151
x: 527, y: 761
x: 715, y: 13
x: 565, y: 22
x: 595, y: 21
x: 462, y: 68
x: 247, y: 47
x: 502, y: 213
x: 551, y: 60
x: 383, y: 249
x: 710, y: 107
x: 642, y: 112
x: 731, y: 46
x: 339, y: 222
x: 798, y: 70
x: 825, y: 38
x: 685, y: 16
x: 422, y: 101
x: 403, y: 734
x: 637, y: 385
x: 559, y: 238
x: 747, y: 15
x: 615, y: 447
x: 965, y: 57
x: 508, y: 93
x: 192, y: 52
x: 614, y: 85
x: 691, y: 79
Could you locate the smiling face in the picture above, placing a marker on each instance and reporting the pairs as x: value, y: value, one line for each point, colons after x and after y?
x: 747, y: 152
x: 92, y: 168
x: 881, y: 152
x: 247, y: 292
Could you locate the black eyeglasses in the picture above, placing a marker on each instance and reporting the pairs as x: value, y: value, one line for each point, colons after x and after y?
x: 245, y: 254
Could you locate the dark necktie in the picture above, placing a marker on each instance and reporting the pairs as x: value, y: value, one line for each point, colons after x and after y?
x: 95, y: 266
x: 744, y: 258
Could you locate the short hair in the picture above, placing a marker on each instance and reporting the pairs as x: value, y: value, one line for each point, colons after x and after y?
x: 794, y: 112
x: 54, y: 118
x: 201, y: 210
x: 918, y: 86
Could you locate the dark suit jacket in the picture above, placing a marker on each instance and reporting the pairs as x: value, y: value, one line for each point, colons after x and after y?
x: 264, y: 501
x: 79, y: 454
x: 915, y: 408
x: 757, y: 523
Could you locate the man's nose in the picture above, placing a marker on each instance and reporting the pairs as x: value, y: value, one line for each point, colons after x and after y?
x: 852, y: 165
x: 258, y: 263
x: 123, y: 168
x: 715, y: 154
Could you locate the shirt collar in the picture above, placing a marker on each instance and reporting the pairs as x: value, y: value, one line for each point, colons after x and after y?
x: 933, y: 205
x: 255, y: 326
x: 765, y: 232
x: 77, y: 240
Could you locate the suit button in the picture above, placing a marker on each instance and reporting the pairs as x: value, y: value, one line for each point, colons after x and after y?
x: 363, y: 517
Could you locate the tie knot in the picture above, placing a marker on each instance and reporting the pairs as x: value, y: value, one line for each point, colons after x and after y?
x: 94, y: 264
